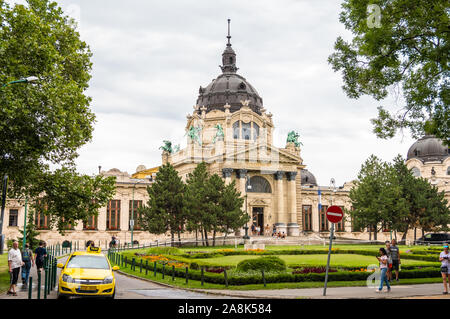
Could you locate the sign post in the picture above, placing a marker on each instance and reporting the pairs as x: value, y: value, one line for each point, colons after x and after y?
x: 334, y: 215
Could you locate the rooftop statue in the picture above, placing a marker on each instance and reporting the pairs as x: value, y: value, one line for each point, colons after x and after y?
x: 167, y: 147
x: 194, y: 134
x: 293, y: 138
x: 219, y: 134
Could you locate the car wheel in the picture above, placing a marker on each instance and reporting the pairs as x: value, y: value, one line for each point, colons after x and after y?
x: 61, y: 297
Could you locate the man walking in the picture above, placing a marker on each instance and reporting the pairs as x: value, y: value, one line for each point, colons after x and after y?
x: 28, y: 260
x: 388, y: 252
x: 395, y: 256
x: 40, y: 254
x: 14, y: 263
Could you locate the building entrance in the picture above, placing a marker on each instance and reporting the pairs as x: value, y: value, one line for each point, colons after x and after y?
x: 258, y: 220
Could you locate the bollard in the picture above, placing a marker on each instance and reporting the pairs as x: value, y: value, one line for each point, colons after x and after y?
x: 146, y: 267
x: 203, y: 275
x: 263, y: 277
x: 39, y: 285
x: 45, y: 282
x: 164, y: 270
x: 30, y: 287
x: 173, y: 272
x: 133, y: 265
x: 154, y: 269
x: 187, y: 275
x: 226, y: 278
x: 140, y: 267
x: 126, y: 261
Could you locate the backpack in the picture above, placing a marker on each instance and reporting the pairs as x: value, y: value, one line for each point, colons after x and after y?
x: 26, y: 255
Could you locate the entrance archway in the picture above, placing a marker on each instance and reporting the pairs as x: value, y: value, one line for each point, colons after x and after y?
x: 258, y: 220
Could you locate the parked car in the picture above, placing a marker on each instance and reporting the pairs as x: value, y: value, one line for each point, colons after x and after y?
x: 433, y: 238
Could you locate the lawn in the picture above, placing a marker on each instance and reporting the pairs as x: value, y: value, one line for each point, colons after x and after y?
x: 4, y: 273
x: 337, y: 260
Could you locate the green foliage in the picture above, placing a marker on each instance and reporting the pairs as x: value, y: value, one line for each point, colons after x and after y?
x: 165, y: 207
x: 31, y: 234
x: 48, y: 121
x: 408, y: 49
x: 269, y: 263
x: 163, y: 251
x: 70, y: 197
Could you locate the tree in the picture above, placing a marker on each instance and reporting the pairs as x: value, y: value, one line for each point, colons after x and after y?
x: 165, y: 210
x: 196, y: 199
x: 403, y: 44
x: 69, y: 197
x: 376, y: 197
x: 214, y: 210
x: 31, y: 232
x: 233, y: 216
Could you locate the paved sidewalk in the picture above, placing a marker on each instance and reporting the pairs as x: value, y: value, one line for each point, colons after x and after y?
x: 398, y: 291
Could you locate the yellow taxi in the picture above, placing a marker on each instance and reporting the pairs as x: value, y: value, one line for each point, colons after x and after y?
x: 87, y: 273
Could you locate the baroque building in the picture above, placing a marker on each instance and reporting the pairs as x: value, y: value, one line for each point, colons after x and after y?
x: 231, y: 130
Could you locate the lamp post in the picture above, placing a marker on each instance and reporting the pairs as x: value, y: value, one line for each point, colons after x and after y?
x: 247, y: 187
x: 29, y: 79
x: 137, y: 181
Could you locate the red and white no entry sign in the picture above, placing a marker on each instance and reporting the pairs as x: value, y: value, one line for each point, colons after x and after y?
x: 334, y: 214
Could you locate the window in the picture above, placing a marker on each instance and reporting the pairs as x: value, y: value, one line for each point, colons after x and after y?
x: 415, y: 171
x: 41, y: 221
x: 340, y: 227
x: 255, y: 131
x: 323, y: 222
x: 136, y: 215
x: 236, y: 129
x: 13, y: 217
x: 448, y: 170
x: 307, y: 217
x: 91, y: 223
x: 259, y: 185
x: 246, y: 131
x: 113, y: 215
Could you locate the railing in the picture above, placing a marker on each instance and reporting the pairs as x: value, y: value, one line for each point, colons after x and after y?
x: 50, y: 278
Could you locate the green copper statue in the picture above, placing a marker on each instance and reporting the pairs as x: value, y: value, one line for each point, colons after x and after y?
x: 219, y: 134
x: 167, y: 147
x: 194, y: 134
x: 293, y: 137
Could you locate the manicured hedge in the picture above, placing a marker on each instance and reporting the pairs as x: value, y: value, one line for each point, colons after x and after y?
x: 256, y: 278
x: 266, y: 263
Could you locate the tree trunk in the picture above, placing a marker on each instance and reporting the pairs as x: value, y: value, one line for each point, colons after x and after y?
x: 206, y: 238
x: 404, y: 234
x: 214, y: 238
x: 172, y: 238
x: 370, y: 233
x: 179, y: 239
x: 196, y: 238
x: 225, y: 238
x: 415, y: 233
x: 203, y: 238
x: 375, y: 233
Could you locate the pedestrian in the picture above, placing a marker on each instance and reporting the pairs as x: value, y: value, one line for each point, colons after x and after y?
x: 445, y: 271
x: 28, y: 260
x: 274, y: 230
x: 388, y: 251
x: 40, y: 254
x: 395, y: 256
x: 14, y: 264
x: 383, y: 259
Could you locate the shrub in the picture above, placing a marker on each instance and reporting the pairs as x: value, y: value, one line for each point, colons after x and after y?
x: 270, y: 263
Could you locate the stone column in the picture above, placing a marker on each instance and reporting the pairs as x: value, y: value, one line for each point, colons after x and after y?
x: 240, y: 174
x: 293, y: 228
x: 282, y: 216
x: 226, y: 172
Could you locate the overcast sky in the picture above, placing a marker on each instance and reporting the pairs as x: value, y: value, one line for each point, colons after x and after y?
x: 150, y: 58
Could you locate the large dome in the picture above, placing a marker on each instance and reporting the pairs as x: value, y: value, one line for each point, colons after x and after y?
x: 229, y: 87
x: 307, y: 178
x: 428, y: 148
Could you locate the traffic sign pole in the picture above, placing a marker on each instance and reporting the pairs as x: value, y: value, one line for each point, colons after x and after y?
x: 334, y: 215
x: 328, y: 261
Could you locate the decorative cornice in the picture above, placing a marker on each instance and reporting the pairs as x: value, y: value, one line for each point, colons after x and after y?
x: 291, y: 176
x: 278, y: 175
x: 240, y: 173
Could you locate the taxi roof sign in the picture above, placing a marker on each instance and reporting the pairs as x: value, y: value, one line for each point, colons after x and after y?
x: 91, y: 249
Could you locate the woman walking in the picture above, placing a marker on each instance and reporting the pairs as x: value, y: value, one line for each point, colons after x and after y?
x: 444, y: 259
x: 383, y: 259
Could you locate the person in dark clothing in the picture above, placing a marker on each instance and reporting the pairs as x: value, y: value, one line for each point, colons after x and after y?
x: 40, y: 254
x: 27, y: 258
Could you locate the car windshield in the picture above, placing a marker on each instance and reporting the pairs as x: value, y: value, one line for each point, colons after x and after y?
x: 86, y: 261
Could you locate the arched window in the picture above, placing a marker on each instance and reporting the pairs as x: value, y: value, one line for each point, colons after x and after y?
x: 246, y: 131
x: 415, y: 171
x: 236, y: 130
x: 448, y: 170
x: 255, y: 131
x: 259, y: 185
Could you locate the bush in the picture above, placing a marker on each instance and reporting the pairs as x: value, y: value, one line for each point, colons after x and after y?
x: 270, y: 263
x: 163, y: 251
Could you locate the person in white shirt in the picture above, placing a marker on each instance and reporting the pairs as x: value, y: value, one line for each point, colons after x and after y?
x: 444, y: 258
x: 383, y: 259
x: 14, y: 263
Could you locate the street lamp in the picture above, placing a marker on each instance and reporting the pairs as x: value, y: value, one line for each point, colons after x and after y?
x: 247, y: 187
x: 29, y: 79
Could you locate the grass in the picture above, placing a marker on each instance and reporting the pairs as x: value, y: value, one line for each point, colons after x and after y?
x: 194, y: 284
x: 337, y: 260
x: 4, y: 273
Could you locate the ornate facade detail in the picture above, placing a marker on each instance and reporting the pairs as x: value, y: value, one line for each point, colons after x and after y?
x: 291, y: 176
x: 226, y: 172
x: 241, y: 173
x: 278, y: 175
